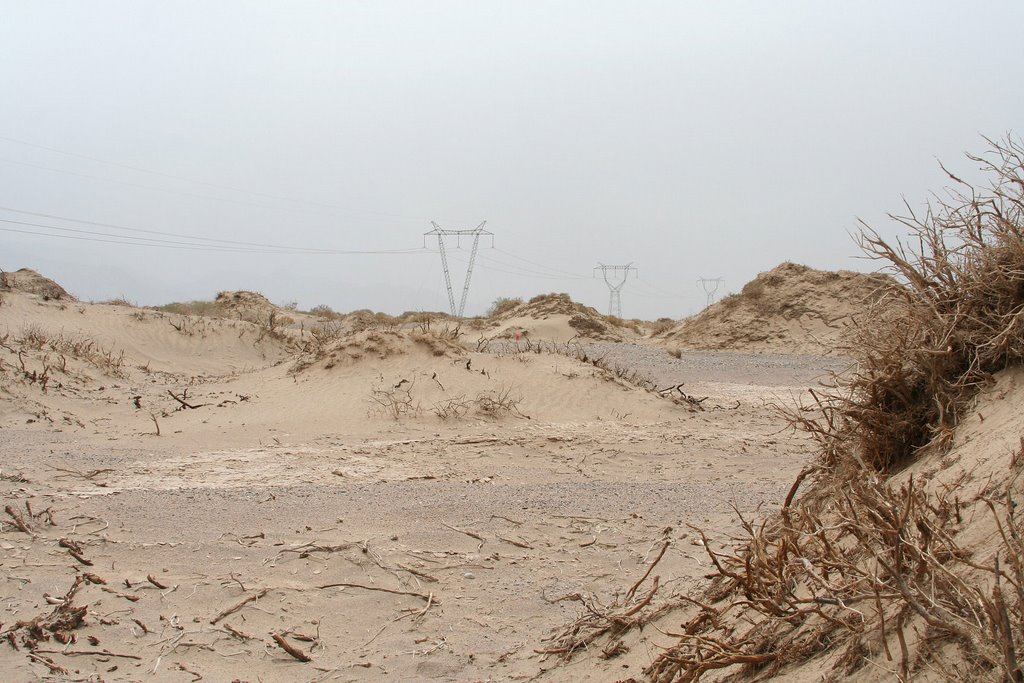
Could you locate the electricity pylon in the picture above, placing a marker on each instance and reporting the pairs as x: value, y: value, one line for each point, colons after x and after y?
x: 710, y: 285
x: 458, y: 234
x: 615, y: 277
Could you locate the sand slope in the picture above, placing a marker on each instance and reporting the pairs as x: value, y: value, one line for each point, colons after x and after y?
x: 789, y: 309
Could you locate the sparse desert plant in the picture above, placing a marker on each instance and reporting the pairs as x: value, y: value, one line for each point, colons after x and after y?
x: 204, y: 308
x: 190, y: 325
x: 395, y: 401
x: 119, y: 301
x: 500, y: 403
x: 560, y: 296
x: 729, y: 301
x: 33, y: 336
x: 451, y: 408
x: 324, y: 311
x: 586, y: 326
x: 503, y: 305
x: 323, y: 334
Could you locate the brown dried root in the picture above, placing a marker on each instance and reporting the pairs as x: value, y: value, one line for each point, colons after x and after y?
x: 58, y: 624
x: 597, y: 622
x: 851, y: 574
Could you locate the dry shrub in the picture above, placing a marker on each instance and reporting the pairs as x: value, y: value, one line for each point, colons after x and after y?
x: 324, y: 311
x: 500, y: 402
x: 586, y: 326
x: 205, y: 308
x: 861, y: 565
x: 323, y: 335
x: 957, y: 317
x: 365, y: 319
x: 119, y: 301
x: 33, y: 337
x: 503, y: 305
x: 394, y: 401
x: 660, y: 326
x: 553, y: 296
x: 451, y: 408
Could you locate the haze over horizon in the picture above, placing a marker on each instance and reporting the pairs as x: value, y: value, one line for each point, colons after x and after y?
x: 713, y: 140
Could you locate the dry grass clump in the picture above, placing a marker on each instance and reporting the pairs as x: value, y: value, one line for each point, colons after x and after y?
x: 120, y: 301
x: 871, y: 568
x: 503, y: 305
x: 325, y: 312
x: 586, y: 326
x: 210, y: 309
x: 33, y: 337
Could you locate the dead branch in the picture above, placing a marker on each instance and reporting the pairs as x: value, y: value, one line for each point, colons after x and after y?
x: 87, y: 653
x: 75, y: 550
x: 421, y: 596
x: 237, y: 606
x: 471, y: 534
x: 182, y: 400
x: 19, y: 523
x: 632, y: 590
x: 290, y: 649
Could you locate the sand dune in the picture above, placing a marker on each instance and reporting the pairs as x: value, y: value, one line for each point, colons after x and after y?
x: 395, y: 499
x: 479, y: 486
x: 789, y: 309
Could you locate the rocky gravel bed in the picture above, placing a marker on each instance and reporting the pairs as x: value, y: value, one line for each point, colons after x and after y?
x: 732, y: 367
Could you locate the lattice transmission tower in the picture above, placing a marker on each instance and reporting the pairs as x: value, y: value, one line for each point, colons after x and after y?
x: 615, y: 277
x: 710, y: 285
x: 476, y: 233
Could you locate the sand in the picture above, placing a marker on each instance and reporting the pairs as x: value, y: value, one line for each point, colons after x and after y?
x: 389, y: 501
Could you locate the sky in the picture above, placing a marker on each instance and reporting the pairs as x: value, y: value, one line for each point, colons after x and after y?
x: 166, y: 151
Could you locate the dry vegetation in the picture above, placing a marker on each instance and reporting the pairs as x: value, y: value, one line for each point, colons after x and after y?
x: 865, y: 558
x: 790, y: 309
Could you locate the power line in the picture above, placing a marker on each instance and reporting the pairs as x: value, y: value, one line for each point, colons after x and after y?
x: 530, y: 271
x: 116, y: 226
x: 663, y: 292
x: 544, y: 267
x: 97, y: 236
x: 183, y: 193
x: 163, y: 174
x: 122, y: 241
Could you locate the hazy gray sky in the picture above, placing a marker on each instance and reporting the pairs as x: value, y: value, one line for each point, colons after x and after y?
x: 712, y: 139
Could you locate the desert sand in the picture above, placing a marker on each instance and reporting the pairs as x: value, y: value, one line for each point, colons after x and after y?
x: 266, y: 495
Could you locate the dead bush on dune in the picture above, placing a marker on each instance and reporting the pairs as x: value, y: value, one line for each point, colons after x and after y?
x: 500, y: 402
x: 863, y: 565
x: 395, y: 401
x: 959, y: 317
x: 33, y: 337
x: 503, y: 305
x: 587, y: 327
